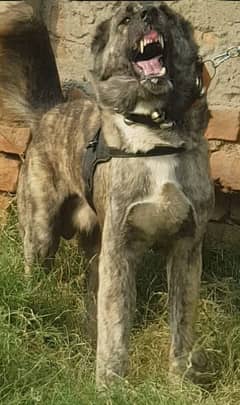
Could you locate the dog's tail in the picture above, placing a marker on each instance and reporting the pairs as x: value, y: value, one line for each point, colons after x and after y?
x: 29, y: 80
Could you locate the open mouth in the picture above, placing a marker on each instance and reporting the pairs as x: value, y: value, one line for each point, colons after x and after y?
x: 147, y: 57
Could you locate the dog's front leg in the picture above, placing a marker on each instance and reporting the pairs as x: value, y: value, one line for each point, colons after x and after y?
x: 116, y: 303
x: 184, y: 273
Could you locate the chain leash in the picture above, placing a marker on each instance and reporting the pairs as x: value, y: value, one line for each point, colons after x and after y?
x: 230, y: 53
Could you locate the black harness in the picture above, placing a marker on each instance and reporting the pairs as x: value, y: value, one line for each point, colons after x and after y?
x: 97, y: 151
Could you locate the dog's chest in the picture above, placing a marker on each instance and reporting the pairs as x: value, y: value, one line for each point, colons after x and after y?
x: 146, y: 191
x: 138, y: 178
x: 161, y: 170
x: 159, y: 206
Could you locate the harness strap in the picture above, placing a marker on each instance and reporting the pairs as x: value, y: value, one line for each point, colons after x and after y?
x: 157, y: 151
x: 97, y: 151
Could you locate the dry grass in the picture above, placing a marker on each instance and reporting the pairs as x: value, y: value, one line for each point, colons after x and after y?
x: 45, y: 357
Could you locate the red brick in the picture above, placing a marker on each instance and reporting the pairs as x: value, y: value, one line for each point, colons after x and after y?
x: 225, y: 169
x: 13, y: 139
x: 224, y: 125
x: 9, y: 169
x: 5, y: 201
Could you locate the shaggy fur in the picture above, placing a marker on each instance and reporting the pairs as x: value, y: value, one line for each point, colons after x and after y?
x: 138, y: 201
x: 29, y: 81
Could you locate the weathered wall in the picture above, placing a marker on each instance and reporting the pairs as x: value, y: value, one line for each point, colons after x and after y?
x: 217, y: 24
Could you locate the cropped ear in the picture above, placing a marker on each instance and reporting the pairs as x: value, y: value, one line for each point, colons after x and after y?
x: 101, y: 37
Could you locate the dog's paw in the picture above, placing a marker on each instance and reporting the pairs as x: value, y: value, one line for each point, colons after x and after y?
x: 193, y: 368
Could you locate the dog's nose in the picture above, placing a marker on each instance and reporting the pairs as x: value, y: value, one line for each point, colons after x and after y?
x: 149, y: 14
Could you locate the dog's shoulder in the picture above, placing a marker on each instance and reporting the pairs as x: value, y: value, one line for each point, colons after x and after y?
x: 71, y: 121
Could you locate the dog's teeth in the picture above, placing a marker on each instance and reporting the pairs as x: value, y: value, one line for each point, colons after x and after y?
x: 154, y: 80
x: 197, y: 82
x: 161, y: 40
x: 141, y: 46
x: 163, y: 71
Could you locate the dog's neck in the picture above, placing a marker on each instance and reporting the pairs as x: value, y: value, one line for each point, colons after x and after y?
x: 136, y: 137
x: 153, y: 116
x: 145, y: 108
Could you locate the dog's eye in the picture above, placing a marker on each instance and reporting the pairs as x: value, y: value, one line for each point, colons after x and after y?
x: 124, y: 21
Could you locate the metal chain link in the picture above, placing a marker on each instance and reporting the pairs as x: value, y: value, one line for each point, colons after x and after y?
x: 230, y: 53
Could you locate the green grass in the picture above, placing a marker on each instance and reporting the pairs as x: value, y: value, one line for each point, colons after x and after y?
x: 45, y: 356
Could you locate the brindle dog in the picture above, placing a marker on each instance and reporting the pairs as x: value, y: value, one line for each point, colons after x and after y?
x: 148, y: 95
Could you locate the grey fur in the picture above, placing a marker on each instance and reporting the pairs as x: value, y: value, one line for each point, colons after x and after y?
x: 138, y: 202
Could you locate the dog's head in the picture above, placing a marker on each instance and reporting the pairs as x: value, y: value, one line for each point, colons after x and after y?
x: 146, y: 53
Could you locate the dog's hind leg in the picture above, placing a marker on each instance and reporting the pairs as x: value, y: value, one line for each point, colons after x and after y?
x: 41, y: 240
x: 38, y: 220
x: 184, y: 273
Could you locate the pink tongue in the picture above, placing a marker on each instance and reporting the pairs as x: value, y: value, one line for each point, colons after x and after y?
x: 150, y: 67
